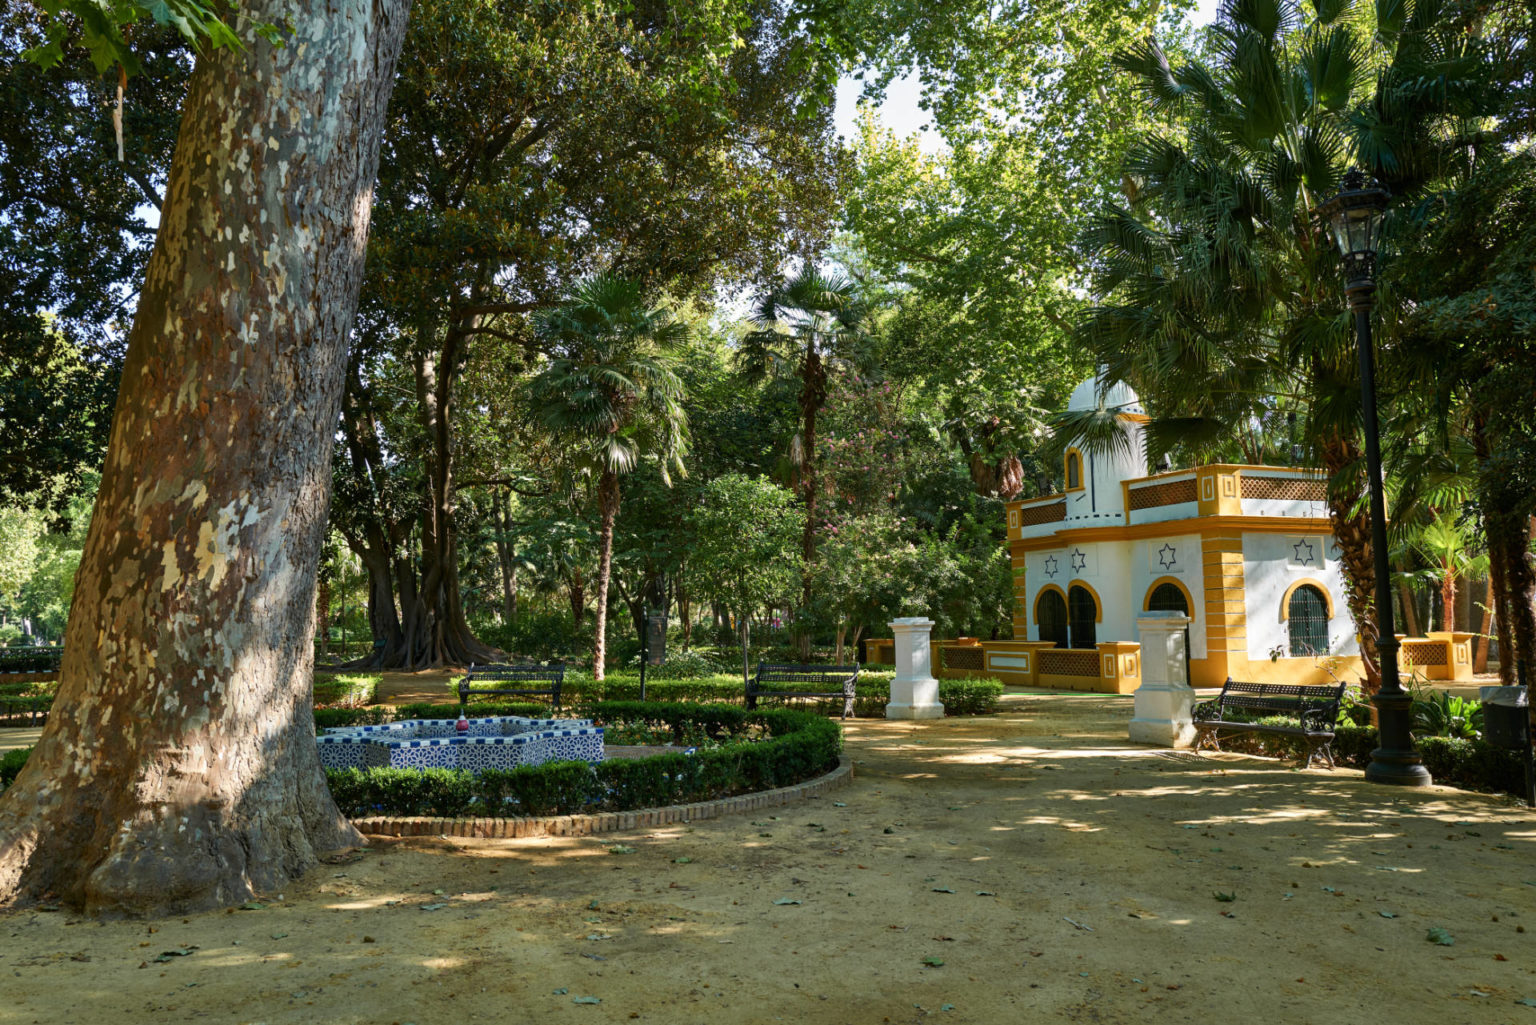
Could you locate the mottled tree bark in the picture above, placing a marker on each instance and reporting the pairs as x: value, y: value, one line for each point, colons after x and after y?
x: 608, y: 506
x: 178, y: 769
x: 813, y: 395
x: 1352, y: 531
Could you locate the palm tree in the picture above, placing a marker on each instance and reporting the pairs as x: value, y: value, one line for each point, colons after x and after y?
x: 808, y: 321
x: 1447, y: 544
x: 610, y: 397
x: 1221, y: 298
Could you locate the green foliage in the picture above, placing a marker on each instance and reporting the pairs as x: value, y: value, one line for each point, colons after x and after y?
x: 792, y: 746
x: 347, y: 688
x: 1438, y: 713
x: 326, y: 718
x: 11, y: 763
x: 684, y: 665
x: 1452, y: 761
x: 102, y: 29
x: 30, y: 660
x: 873, y: 690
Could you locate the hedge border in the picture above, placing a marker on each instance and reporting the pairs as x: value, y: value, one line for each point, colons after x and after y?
x: 606, y: 822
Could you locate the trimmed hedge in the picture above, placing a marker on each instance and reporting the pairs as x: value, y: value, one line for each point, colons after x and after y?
x: 1451, y: 761
x: 30, y: 660
x: 960, y: 697
x: 795, y: 746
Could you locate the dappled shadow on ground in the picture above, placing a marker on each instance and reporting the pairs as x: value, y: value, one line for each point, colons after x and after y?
x: 1055, y: 871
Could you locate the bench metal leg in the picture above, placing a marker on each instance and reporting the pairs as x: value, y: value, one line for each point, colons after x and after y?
x: 1315, y: 748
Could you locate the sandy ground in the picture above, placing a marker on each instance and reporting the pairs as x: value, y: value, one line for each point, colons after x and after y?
x: 1027, y: 866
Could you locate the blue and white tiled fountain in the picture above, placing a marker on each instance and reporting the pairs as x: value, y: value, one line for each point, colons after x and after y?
x: 498, y: 742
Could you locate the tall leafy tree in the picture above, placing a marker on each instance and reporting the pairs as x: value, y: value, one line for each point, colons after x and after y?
x: 808, y: 322
x: 676, y: 144
x: 610, y: 397
x: 1221, y: 299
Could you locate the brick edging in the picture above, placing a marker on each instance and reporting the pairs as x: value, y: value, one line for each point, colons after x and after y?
x: 605, y: 822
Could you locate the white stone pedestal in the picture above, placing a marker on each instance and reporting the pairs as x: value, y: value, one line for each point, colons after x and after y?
x: 1164, y: 702
x: 914, y: 691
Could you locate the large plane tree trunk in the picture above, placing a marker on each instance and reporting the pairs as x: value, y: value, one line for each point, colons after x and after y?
x: 178, y: 769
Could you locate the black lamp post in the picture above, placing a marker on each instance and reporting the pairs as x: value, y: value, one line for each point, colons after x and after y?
x: 1355, y: 217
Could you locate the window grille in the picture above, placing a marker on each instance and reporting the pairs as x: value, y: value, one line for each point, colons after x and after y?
x: 1307, y: 618
x: 1051, y: 617
x: 1082, y: 611
x: 1167, y: 598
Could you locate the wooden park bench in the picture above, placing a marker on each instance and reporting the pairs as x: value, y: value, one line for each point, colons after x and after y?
x: 538, y: 681
x: 771, y: 679
x: 1315, y: 709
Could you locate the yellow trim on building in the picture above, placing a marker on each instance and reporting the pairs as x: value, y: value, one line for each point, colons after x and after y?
x: 1066, y: 467
x: 1203, y: 525
x: 1189, y: 599
x: 1098, y: 603
x: 1285, y: 599
x: 1034, y: 606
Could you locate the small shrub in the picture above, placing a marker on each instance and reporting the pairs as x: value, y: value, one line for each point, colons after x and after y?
x: 755, y: 751
x: 682, y: 665
x: 11, y: 763
x: 328, y: 718
x: 347, y: 689
x: 1443, y: 714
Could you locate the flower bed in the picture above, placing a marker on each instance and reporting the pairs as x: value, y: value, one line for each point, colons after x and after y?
x: 753, y: 751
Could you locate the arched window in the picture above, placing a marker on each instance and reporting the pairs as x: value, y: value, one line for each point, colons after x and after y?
x: 1074, y: 469
x: 1306, y: 616
x: 1167, y: 598
x: 1082, y: 611
x: 1051, y: 617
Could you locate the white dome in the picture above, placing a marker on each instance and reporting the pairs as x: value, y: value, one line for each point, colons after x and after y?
x: 1119, y: 398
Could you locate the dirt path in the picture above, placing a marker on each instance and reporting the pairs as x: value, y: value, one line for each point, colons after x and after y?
x: 1058, y: 874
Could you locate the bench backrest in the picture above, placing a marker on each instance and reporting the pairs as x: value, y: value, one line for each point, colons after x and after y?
x: 828, y: 676
x: 516, y: 672
x: 1288, y: 698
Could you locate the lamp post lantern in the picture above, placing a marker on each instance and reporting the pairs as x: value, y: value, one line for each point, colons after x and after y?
x: 1354, y: 218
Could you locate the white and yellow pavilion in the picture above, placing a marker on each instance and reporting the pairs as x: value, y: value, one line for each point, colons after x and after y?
x: 1247, y: 552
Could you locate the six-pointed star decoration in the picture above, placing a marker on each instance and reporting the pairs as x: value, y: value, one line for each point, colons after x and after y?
x: 1167, y: 556
x: 1079, y: 560
x: 1304, y: 552
x: 1050, y: 566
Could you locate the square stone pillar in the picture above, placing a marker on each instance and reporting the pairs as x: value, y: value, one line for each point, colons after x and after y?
x: 1165, y: 702
x: 914, y: 691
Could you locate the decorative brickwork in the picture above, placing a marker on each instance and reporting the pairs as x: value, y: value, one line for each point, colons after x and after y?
x: 1155, y: 495
x: 1284, y: 489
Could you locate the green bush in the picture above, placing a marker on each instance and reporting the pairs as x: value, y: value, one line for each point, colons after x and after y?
x: 759, y: 750
x: 873, y: 690
x: 30, y: 660
x: 475, y: 710
x: 347, y: 688
x: 682, y: 665
x: 1451, y: 761
x: 11, y: 763
x: 327, y: 718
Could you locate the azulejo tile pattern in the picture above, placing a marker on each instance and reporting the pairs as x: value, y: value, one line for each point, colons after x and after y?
x: 499, y: 742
